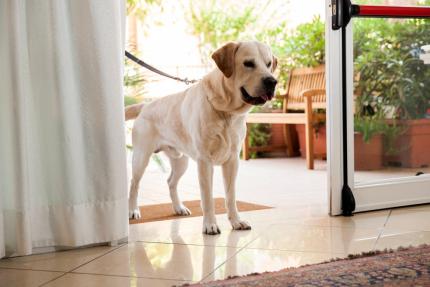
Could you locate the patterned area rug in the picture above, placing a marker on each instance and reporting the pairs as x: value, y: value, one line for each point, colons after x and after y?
x: 404, y: 267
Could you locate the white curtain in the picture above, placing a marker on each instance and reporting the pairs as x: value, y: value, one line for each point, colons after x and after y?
x: 62, y: 149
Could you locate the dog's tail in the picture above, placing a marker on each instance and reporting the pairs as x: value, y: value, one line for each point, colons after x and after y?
x: 132, y: 111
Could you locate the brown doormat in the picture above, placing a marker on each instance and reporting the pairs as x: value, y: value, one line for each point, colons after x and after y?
x: 164, y: 211
x: 404, y: 267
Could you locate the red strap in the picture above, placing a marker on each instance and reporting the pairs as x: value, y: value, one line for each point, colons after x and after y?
x: 393, y: 11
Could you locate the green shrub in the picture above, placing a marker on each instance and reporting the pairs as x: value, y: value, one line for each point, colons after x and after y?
x: 130, y: 100
x: 214, y: 25
x: 303, y: 46
x: 369, y: 127
x: 389, y: 76
x: 134, y: 83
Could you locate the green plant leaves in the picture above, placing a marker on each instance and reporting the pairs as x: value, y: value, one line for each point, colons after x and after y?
x: 390, y: 73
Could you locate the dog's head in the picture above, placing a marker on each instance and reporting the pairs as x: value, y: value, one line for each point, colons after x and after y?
x: 249, y: 67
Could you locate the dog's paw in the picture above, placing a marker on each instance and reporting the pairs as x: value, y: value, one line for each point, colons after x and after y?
x: 182, y: 210
x: 240, y: 225
x: 134, y: 213
x: 211, y: 229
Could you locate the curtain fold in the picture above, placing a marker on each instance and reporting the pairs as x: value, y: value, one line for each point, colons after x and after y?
x: 62, y: 150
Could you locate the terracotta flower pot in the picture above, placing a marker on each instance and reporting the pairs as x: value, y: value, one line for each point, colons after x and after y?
x: 320, y: 141
x: 277, y: 135
x: 276, y: 132
x: 413, y: 146
x: 368, y: 156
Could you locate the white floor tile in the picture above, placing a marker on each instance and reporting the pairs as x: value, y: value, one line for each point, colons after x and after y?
x: 161, y: 261
x: 25, y: 278
x: 392, y: 238
x: 415, y: 218
x: 90, y: 280
x: 189, y: 231
x: 56, y: 261
x: 317, y: 239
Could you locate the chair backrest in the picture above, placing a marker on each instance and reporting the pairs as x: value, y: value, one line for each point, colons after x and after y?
x: 303, y: 79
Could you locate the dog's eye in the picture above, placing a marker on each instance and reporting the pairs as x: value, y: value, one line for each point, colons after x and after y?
x: 249, y: 64
x: 269, y: 64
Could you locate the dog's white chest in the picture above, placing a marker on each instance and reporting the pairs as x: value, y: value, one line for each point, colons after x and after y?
x: 222, y: 139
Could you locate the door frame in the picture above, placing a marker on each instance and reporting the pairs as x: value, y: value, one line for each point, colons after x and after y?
x: 333, y: 46
x: 369, y: 195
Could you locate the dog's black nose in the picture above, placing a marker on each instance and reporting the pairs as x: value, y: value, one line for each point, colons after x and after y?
x: 270, y: 83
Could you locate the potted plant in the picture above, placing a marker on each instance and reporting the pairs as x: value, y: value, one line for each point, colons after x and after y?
x: 277, y: 138
x: 389, y: 72
x: 266, y: 137
x: 412, y: 96
x: 368, y: 142
x: 412, y: 145
x: 319, y: 134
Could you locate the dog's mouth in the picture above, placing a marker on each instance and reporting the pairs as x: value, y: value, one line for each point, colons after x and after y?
x: 256, y: 101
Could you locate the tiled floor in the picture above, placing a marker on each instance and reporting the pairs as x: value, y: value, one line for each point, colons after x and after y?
x: 297, y: 231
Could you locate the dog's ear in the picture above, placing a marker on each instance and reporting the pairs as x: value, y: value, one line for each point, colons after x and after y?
x: 274, y: 63
x: 224, y: 58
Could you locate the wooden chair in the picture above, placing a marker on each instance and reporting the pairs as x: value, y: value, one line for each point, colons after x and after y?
x: 305, y: 92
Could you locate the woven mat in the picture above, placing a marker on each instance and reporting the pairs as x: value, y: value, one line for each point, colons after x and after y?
x: 164, y: 211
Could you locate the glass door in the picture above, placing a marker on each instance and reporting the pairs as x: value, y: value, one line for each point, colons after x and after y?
x: 387, y: 112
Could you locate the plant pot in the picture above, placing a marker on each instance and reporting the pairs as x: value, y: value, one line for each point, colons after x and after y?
x: 276, y: 132
x: 277, y: 135
x: 413, y: 146
x: 368, y: 156
x: 320, y: 141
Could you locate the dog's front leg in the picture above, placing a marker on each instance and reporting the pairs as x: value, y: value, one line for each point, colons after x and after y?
x: 205, y: 169
x: 229, y: 172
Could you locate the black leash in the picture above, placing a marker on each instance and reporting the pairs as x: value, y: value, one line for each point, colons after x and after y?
x: 155, y: 70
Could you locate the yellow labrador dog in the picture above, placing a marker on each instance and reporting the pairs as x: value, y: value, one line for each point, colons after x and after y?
x: 206, y: 122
